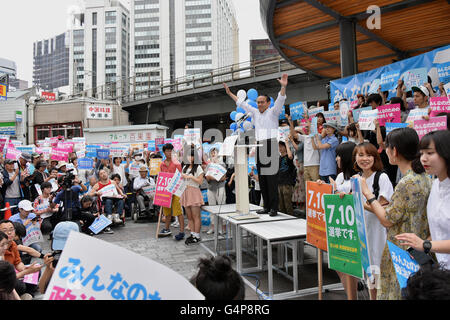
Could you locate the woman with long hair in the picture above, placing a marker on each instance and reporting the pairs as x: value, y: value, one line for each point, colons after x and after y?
x: 407, y: 210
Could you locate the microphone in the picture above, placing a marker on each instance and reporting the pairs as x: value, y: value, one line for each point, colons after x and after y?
x: 245, y: 117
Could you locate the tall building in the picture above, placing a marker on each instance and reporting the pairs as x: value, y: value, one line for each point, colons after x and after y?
x: 8, y: 76
x: 99, y: 50
x: 180, y: 38
x: 51, y: 62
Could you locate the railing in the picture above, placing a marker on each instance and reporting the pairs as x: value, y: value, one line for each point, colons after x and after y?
x: 125, y: 89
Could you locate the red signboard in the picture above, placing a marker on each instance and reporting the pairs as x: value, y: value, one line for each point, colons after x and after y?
x: 49, y: 96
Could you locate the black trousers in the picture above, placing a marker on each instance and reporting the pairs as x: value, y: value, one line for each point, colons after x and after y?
x: 267, y: 164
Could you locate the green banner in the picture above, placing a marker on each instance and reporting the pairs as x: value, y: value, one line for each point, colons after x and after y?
x: 344, y: 252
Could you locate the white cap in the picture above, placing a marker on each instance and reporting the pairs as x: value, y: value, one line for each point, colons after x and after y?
x: 26, y: 205
x: 423, y: 89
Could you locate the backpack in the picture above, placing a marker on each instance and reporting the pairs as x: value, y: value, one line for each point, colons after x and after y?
x: 376, y: 183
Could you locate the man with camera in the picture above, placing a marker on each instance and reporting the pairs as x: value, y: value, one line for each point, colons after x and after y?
x: 69, y: 196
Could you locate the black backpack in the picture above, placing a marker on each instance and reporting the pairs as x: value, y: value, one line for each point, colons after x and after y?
x: 376, y: 183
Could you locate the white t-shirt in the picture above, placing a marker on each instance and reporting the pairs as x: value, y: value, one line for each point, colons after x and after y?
x: 311, y: 157
x: 192, y: 183
x: 439, y: 216
x: 376, y: 233
x: 343, y: 185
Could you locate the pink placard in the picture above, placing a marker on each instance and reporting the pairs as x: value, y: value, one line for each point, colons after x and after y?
x: 434, y: 124
x: 3, y: 142
x: 12, y: 153
x: 162, y: 197
x: 354, y: 104
x: 60, y: 155
x: 389, y: 113
x: 439, y: 104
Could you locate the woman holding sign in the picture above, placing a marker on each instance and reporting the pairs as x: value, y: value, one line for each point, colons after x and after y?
x: 192, y: 198
x: 407, y: 211
x: 435, y: 157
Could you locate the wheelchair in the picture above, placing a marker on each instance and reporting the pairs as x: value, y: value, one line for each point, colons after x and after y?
x: 150, y: 214
x: 101, y: 210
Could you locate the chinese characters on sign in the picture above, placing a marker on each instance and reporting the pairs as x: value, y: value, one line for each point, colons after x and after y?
x: 99, y: 113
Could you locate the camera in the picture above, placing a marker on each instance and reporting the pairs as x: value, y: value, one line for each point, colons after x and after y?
x: 68, y: 179
x: 56, y: 255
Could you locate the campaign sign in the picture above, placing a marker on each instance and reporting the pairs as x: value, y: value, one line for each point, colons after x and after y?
x: 85, y: 164
x: 353, y: 104
x: 32, y: 278
x: 297, y: 110
x: 361, y: 224
x: 313, y: 131
x: 357, y: 112
x: 415, y: 78
x: 150, y: 190
x: 366, y: 119
x: 443, y: 70
x: 227, y: 148
x: 177, y: 185
x: 344, y: 252
x: 159, y: 142
x: 152, y: 145
x: 315, y: 214
x: 344, y: 108
x: 404, y: 265
x: 92, y: 269
x: 392, y: 126
x: 155, y: 165
x: 99, y: 224
x: 33, y: 235
x: 118, y: 151
x: 423, y: 127
x: 103, y: 154
x: 12, y: 153
x: 26, y: 149
x: 447, y: 89
x: 439, y: 105
x: 216, y: 171
x: 333, y: 116
x: 192, y: 136
x: 389, y: 81
x: 178, y: 142
x: 389, y: 113
x: 205, y: 195
x: 163, y: 198
x: 91, y: 151
x: 283, y: 133
x: 109, y: 191
x: 416, y: 114
x: 3, y: 143
x: 315, y: 111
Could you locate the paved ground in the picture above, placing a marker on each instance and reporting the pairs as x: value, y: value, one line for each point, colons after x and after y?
x: 141, y: 238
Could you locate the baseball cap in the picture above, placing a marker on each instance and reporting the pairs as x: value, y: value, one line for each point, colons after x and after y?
x: 61, y: 233
x: 9, y: 161
x: 35, y: 155
x: 143, y: 168
x: 26, y: 205
x: 422, y: 89
x: 61, y: 164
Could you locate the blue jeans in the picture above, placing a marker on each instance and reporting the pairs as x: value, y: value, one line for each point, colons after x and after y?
x: 109, y: 206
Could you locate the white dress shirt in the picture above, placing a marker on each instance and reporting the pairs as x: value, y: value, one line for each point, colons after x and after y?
x: 266, y: 124
x: 439, y: 216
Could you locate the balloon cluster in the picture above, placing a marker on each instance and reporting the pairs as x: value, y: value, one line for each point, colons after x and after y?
x: 237, y: 115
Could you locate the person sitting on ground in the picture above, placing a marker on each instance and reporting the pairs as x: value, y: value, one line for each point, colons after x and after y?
x: 43, y: 210
x: 217, y: 280
x: 88, y: 215
x: 139, y: 183
x: 60, y: 236
x: 26, y: 253
x: 8, y: 281
x: 12, y: 255
x: 28, y: 219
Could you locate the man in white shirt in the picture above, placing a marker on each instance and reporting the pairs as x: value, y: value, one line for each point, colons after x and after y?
x: 139, y: 183
x: 266, y: 121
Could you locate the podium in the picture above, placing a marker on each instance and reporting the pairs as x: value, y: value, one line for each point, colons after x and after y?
x: 241, y: 178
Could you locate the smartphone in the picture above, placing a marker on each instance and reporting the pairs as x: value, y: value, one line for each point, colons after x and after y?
x: 421, y: 257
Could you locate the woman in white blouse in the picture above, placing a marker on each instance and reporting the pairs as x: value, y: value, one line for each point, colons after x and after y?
x: 435, y: 158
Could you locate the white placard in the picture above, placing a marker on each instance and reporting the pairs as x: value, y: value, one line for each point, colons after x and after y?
x: 216, y: 171
x: 177, y: 185
x: 283, y: 133
x: 416, y: 114
x: 366, y: 119
x: 92, y: 269
x: 109, y: 191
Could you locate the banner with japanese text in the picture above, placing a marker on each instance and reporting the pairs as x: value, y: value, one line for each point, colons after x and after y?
x: 315, y: 214
x: 389, y: 113
x: 342, y: 235
x: 92, y: 269
x: 423, y: 127
x: 163, y: 198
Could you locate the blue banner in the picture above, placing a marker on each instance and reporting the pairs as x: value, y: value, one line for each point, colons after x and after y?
x: 351, y: 86
x: 151, y: 145
x: 404, y: 265
x: 444, y: 72
x: 103, y: 154
x: 392, y: 126
x: 361, y: 224
x: 91, y: 151
x: 85, y: 164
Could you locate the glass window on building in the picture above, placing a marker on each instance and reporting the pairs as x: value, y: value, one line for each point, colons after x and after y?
x: 110, y: 17
x: 67, y: 130
x: 94, y: 18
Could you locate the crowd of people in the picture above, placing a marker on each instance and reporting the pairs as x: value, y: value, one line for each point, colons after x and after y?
x: 405, y: 183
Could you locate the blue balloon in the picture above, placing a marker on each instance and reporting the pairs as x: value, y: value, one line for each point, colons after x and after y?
x: 252, y: 103
x: 233, y: 126
x: 242, y: 130
x: 233, y: 115
x: 241, y: 110
x: 272, y: 102
x: 249, y: 119
x: 252, y: 94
